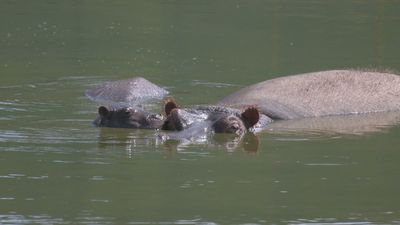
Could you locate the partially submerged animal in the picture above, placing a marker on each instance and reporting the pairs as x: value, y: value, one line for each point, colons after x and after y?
x: 326, y: 93
x: 219, y: 119
x: 319, y: 94
x: 131, y: 117
x: 126, y: 92
x: 125, y: 98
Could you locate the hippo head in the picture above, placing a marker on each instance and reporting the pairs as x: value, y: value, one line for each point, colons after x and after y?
x: 128, y: 118
x: 222, y: 120
x: 234, y: 123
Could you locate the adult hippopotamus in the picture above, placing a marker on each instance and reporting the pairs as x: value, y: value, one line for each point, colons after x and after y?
x: 126, y: 99
x: 326, y: 93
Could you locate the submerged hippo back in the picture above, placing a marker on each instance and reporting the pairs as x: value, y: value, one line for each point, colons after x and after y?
x: 135, y: 90
x: 337, y: 92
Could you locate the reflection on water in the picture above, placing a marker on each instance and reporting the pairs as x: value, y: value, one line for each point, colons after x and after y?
x: 289, y: 130
x: 227, y: 142
x: 360, y: 124
x: 133, y: 140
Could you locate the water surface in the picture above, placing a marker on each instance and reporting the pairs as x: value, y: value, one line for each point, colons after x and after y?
x: 55, y: 168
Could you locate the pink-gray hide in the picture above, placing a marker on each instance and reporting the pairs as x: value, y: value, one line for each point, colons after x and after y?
x: 326, y: 93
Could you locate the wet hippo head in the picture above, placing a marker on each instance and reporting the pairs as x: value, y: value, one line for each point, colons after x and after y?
x: 222, y: 120
x: 233, y: 123
x: 128, y: 118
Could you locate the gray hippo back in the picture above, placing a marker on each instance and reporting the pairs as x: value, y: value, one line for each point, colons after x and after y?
x: 129, y: 91
x: 128, y: 102
x: 326, y: 93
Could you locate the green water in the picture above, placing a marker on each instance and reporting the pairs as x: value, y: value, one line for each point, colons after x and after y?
x: 55, y: 168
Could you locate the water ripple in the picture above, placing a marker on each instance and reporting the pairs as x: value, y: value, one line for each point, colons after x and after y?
x: 12, y: 176
x: 7, y: 198
x: 30, y: 219
x: 323, y: 164
x: 212, y: 84
x: 10, y: 134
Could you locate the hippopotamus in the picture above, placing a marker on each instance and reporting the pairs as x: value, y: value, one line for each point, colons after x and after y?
x: 126, y: 92
x: 126, y: 99
x: 128, y: 117
x: 326, y: 93
x: 318, y: 94
x: 219, y: 119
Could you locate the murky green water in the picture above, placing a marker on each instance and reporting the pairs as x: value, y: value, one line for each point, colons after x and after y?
x: 55, y: 168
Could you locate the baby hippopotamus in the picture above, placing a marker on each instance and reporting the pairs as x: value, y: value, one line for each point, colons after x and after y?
x: 128, y: 117
x: 219, y: 119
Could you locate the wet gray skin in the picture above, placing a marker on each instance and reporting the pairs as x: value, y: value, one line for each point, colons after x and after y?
x: 131, y: 91
x: 326, y: 93
x: 131, y: 117
x: 219, y: 119
x: 125, y: 98
x: 319, y: 94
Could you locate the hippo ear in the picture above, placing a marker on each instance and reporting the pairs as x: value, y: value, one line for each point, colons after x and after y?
x: 169, y: 105
x: 250, y: 117
x: 103, y: 111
